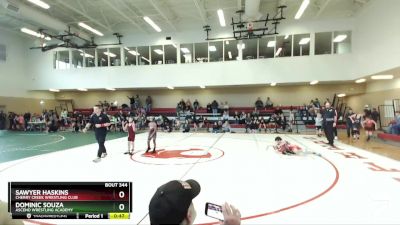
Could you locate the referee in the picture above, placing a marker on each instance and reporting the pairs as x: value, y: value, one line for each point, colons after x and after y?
x: 101, y: 122
x: 329, y: 122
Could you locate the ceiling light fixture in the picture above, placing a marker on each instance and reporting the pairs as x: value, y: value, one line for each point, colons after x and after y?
x: 158, y: 51
x: 286, y: 36
x: 243, y: 46
x: 382, y: 77
x: 87, y: 55
x: 212, y: 48
x: 54, y: 90
x: 34, y: 33
x: 227, y: 42
x: 271, y: 44
x: 91, y: 29
x: 221, y: 17
x: 278, y: 52
x: 112, y: 55
x: 126, y: 48
x: 144, y: 58
x: 40, y: 3
x: 202, y: 86
x: 230, y: 55
x: 304, y: 41
x: 341, y: 95
x: 133, y: 52
x: 362, y: 80
x: 273, y: 84
x: 110, y: 89
x: 185, y: 50
x: 314, y: 82
x: 340, y: 38
x: 302, y: 8
x: 82, y: 89
x: 152, y: 24
x: 170, y: 87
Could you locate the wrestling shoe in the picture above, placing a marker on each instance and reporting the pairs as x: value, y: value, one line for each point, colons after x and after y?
x: 96, y: 160
x: 103, y: 155
x: 127, y: 152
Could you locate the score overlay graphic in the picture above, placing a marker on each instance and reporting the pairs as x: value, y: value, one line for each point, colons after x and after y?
x: 70, y: 200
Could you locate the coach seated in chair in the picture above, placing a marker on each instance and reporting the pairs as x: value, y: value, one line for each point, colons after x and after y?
x: 172, y: 204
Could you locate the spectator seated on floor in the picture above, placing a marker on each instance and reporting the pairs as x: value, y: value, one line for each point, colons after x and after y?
x: 186, y: 127
x: 226, y: 127
x: 394, y: 127
x: 216, y: 127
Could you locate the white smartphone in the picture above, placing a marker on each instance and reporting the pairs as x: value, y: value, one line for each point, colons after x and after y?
x: 214, y: 211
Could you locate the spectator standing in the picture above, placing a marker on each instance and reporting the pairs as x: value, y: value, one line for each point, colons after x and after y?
x: 196, y: 105
x: 269, y: 104
x: 214, y: 107
x: 259, y: 104
x: 375, y: 116
x: 132, y: 102
x: 149, y: 104
x: 367, y: 111
x: 226, y: 107
x: 138, y: 103
x: 349, y: 123
x: 2, y: 120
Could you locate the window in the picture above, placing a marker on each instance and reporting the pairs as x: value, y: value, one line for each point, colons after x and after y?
x: 143, y: 57
x: 323, y: 43
x: 231, y: 50
x: 89, y: 55
x: 130, y: 56
x: 115, y: 56
x: 102, y: 58
x: 3, y: 53
x: 301, y: 45
x: 62, y: 60
x: 157, y: 54
x: 77, y: 58
x: 249, y: 48
x: 216, y: 51
x: 170, y: 54
x: 201, y: 52
x: 266, y: 47
x: 342, y: 42
x: 283, y: 46
x: 186, y: 53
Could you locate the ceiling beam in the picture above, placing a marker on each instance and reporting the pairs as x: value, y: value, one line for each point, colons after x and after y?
x: 112, y: 6
x: 322, y: 8
x: 65, y: 4
x: 155, y: 5
x: 201, y: 11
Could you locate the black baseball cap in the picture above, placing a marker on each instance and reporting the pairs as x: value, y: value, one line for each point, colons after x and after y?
x: 170, y: 203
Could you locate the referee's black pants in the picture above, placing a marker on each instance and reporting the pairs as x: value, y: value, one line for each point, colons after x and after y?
x: 328, y: 128
x: 101, y: 138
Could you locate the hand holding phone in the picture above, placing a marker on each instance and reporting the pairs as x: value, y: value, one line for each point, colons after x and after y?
x: 214, y: 211
x: 226, y: 213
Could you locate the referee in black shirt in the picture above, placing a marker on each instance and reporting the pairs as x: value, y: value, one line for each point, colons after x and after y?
x: 101, y: 122
x: 329, y: 122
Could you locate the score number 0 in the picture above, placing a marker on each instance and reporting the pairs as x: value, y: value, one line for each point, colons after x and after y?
x: 121, y: 194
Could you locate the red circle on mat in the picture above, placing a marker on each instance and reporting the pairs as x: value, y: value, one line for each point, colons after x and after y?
x: 294, y: 205
x: 178, y: 155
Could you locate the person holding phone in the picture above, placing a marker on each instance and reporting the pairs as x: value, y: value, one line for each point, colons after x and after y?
x: 172, y: 204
